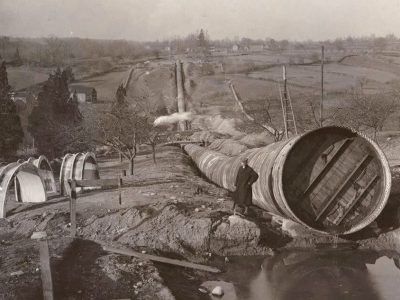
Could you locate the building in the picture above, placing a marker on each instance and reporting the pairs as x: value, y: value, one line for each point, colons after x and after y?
x: 235, y: 48
x: 83, y: 93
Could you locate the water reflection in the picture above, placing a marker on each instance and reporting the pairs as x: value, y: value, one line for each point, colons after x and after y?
x: 319, y: 274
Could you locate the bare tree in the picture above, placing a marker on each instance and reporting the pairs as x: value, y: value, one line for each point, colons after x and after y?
x: 367, y: 112
x: 122, y: 129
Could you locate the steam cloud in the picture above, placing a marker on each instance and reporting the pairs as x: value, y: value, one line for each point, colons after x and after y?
x: 173, y: 118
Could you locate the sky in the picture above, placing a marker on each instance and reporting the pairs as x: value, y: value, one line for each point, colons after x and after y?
x: 145, y: 20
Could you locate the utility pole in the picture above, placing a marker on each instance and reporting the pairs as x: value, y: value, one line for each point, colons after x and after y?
x: 285, y: 102
x: 321, y: 107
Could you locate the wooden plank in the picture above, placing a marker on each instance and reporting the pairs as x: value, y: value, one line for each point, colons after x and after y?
x: 73, y: 207
x: 326, y: 168
x: 165, y: 260
x: 340, y: 189
x: 113, y: 182
x: 119, y: 190
x: 357, y: 199
x: 47, y: 283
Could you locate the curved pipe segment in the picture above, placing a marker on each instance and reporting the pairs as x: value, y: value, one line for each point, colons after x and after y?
x: 46, y: 172
x: 28, y: 182
x: 332, y: 180
x: 77, y: 166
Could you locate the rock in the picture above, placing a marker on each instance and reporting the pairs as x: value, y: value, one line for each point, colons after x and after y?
x: 234, y: 236
x: 38, y: 235
x: 203, y: 290
x: 17, y: 273
x: 143, y: 251
x: 294, y: 229
x: 172, y: 198
x: 220, y: 199
x: 217, y: 291
x: 203, y: 207
x: 197, y: 209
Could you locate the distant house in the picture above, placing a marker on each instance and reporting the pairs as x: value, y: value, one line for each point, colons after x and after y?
x: 83, y: 93
x: 235, y: 48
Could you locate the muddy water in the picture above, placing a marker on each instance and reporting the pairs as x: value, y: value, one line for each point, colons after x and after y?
x: 304, y: 274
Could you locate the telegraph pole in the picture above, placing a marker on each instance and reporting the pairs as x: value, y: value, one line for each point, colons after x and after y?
x: 285, y: 102
x: 321, y: 107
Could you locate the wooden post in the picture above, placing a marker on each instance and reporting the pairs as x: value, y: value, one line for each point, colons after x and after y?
x: 321, y: 107
x: 123, y: 172
x: 119, y: 190
x: 47, y: 283
x: 73, y: 207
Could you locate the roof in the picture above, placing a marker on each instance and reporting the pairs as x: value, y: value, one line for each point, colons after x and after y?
x: 80, y: 88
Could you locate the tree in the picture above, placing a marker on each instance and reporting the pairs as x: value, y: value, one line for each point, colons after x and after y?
x: 367, y: 112
x: 11, y: 133
x: 122, y: 129
x: 56, y: 122
x: 17, y: 58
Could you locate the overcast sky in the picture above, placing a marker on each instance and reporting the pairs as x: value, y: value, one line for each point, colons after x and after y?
x: 162, y: 19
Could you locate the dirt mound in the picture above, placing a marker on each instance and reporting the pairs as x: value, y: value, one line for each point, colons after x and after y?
x: 179, y: 231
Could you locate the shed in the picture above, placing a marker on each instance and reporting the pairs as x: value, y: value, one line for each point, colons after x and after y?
x: 83, y: 93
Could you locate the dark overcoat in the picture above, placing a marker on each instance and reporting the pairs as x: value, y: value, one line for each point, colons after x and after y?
x: 245, y: 178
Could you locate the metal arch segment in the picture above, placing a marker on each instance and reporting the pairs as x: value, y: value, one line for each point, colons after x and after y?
x: 46, y: 171
x: 67, y: 172
x: 62, y: 171
x: 31, y: 184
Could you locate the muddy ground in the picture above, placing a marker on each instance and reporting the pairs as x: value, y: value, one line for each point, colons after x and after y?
x: 167, y: 209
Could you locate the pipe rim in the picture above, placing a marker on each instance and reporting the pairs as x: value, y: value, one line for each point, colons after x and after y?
x: 283, y: 155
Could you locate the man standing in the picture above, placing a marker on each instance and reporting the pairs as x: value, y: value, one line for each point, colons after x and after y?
x: 245, y: 178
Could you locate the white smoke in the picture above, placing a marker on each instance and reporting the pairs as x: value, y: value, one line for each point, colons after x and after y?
x: 173, y: 118
x: 220, y: 125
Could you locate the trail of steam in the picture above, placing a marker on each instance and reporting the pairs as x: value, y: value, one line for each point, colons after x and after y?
x: 173, y: 118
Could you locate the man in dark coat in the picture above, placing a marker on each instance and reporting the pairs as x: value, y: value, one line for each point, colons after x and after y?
x: 246, y: 176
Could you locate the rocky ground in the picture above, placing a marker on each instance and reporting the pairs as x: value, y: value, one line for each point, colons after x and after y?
x: 167, y: 209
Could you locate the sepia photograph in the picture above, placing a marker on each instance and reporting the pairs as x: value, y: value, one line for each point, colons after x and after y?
x: 199, y: 150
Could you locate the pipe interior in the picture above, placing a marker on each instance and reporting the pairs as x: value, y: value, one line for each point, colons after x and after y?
x: 333, y: 179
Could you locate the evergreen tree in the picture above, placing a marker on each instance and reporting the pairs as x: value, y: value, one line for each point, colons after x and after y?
x: 17, y: 57
x: 11, y: 132
x: 56, y: 121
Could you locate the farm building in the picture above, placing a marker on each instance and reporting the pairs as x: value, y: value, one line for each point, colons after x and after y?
x: 83, y: 93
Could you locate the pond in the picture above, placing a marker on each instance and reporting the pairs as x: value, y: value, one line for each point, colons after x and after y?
x: 298, y: 274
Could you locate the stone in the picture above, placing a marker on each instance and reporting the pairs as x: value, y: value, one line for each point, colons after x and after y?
x: 38, y: 235
x: 203, y: 290
x: 17, y: 273
x: 172, y: 198
x: 218, y: 291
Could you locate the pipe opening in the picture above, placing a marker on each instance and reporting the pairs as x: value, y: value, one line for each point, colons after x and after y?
x: 335, y: 180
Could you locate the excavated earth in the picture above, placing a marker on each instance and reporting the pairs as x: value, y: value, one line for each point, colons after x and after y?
x: 167, y: 209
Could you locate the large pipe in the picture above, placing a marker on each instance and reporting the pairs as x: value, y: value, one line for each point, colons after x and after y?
x: 46, y: 172
x: 29, y: 186
x: 77, y: 166
x: 331, y: 180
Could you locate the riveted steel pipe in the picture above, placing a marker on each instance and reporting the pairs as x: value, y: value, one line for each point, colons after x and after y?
x: 331, y: 180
